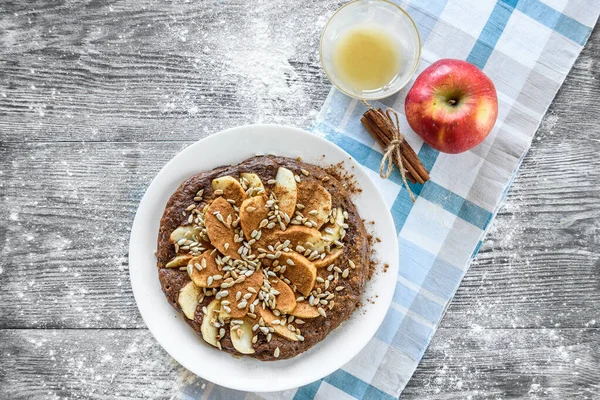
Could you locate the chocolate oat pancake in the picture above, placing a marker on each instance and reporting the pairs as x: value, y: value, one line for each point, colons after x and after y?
x: 263, y: 258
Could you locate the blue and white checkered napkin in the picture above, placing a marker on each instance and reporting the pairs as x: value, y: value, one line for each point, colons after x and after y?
x: 527, y: 48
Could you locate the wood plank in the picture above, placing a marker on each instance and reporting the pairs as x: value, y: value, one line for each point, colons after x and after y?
x: 69, y: 208
x: 129, y: 364
x: 155, y: 71
x: 509, y: 363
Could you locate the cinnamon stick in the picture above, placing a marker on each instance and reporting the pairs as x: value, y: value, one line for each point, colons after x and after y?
x: 381, y: 127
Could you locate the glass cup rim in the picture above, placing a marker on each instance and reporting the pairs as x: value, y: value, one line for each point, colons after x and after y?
x: 412, y: 73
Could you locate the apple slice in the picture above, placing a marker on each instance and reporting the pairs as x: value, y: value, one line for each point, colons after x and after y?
x: 298, y: 235
x: 209, y: 268
x: 185, y: 232
x: 281, y: 330
x: 329, y: 258
x: 241, y: 337
x: 179, y: 261
x: 209, y: 332
x: 252, y: 212
x: 286, y: 300
x: 231, y: 189
x: 254, y: 183
x: 188, y: 299
x: 219, y: 230
x: 301, y: 272
x: 286, y: 191
x: 192, y: 233
x: 304, y: 310
x: 336, y: 228
x: 255, y: 281
x: 316, y: 201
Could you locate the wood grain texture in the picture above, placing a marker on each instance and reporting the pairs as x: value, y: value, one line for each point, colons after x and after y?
x: 127, y: 364
x: 156, y: 70
x: 95, y: 97
x: 62, y: 223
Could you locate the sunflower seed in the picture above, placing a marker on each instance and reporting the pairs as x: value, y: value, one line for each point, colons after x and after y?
x: 346, y: 273
x: 276, y: 352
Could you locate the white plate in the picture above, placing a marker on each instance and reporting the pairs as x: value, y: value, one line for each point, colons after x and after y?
x: 179, y: 340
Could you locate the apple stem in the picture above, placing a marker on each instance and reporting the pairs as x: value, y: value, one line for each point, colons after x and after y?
x: 452, y: 102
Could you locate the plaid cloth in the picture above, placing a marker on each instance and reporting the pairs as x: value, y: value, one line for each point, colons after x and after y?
x: 526, y: 47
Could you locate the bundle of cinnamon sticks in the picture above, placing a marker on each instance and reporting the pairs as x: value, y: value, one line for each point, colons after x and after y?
x: 381, y: 127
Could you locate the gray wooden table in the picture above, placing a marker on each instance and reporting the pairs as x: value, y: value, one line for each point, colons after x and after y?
x: 96, y: 97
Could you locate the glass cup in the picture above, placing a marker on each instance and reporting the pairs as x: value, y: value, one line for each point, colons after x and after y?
x: 386, y: 16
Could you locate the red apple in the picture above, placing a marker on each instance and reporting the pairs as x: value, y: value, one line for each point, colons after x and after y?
x: 452, y: 105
